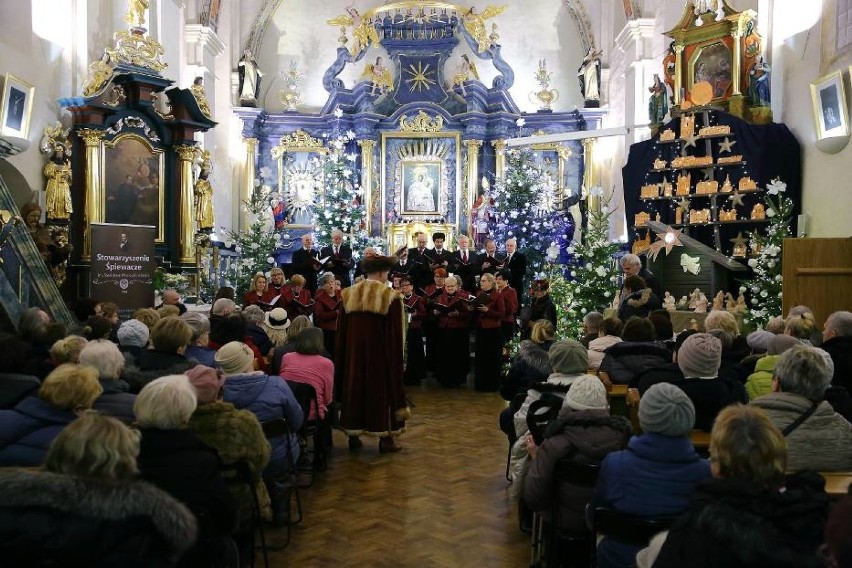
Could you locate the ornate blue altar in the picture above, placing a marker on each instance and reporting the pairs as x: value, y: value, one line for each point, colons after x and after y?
x: 427, y: 135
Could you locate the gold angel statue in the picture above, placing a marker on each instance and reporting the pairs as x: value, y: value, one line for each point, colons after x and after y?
x: 380, y: 76
x: 363, y: 31
x: 135, y: 16
x: 100, y: 71
x: 475, y: 24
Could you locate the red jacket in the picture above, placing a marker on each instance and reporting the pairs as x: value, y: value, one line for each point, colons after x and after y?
x: 326, y: 310
x: 297, y: 306
x: 251, y: 298
x: 415, y: 306
x: 459, y: 302
x: 510, y: 304
x: 496, y: 310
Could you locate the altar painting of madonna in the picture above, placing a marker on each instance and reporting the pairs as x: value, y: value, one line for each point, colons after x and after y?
x: 420, y: 183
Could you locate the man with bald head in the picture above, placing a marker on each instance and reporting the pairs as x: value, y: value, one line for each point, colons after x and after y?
x: 306, y: 262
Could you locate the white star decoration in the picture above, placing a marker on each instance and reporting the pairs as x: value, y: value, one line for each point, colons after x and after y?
x: 726, y: 144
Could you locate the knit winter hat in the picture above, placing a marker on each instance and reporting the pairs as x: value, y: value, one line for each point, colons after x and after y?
x: 235, y: 357
x: 665, y: 409
x: 568, y: 357
x: 586, y: 393
x: 700, y: 356
x: 759, y: 340
x: 207, y: 382
x: 781, y: 343
x: 133, y: 333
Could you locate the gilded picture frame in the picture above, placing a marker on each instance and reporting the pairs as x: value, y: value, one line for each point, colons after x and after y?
x: 134, y: 183
x: 831, y: 116
x: 16, y: 107
x: 297, y: 157
x: 712, y: 62
x: 421, y: 185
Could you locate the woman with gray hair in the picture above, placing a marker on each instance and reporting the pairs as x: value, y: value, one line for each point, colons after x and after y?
x: 254, y: 329
x: 108, y: 361
x: 86, y: 508
x: 198, y: 348
x: 817, y: 437
x: 174, y: 459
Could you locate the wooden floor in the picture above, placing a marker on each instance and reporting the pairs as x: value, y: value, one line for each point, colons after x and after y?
x: 441, y: 502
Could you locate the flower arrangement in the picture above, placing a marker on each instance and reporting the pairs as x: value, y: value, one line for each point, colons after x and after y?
x: 764, y: 289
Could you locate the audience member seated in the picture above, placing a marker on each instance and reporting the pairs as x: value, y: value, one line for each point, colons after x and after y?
x: 254, y: 320
x: 27, y: 430
x: 625, y: 361
x: 817, y: 437
x: 97, y: 327
x: 83, y: 308
x: 234, y: 328
x: 309, y: 364
x: 654, y: 477
x: 801, y: 326
x: 67, y: 350
x: 14, y: 386
x: 31, y: 323
x: 172, y: 298
x: 174, y: 459
x: 668, y: 373
x: 637, y: 299
x: 39, y: 362
x: 267, y: 397
x: 133, y: 338
x: 663, y: 328
x: 275, y: 324
x: 609, y: 335
x: 837, y: 397
x: 199, y: 348
x: 759, y: 383
x: 699, y: 358
x: 837, y: 341
x: 758, y: 342
x: 837, y: 549
x: 86, y: 509
x: 296, y: 326
x: 107, y: 360
x: 148, y: 316
x: 222, y: 308
x: 591, y: 327
x: 170, y: 338
x: 735, y: 352
x: 584, y: 433
x: 749, y: 514
x: 237, y: 436
x: 530, y: 364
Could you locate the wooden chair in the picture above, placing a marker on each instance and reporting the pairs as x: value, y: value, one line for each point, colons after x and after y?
x: 837, y: 483
x: 700, y: 441
x: 623, y: 528
x: 632, y: 400
x: 286, y: 480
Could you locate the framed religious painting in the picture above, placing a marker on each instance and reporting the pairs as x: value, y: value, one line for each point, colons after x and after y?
x: 16, y: 107
x: 829, y: 106
x: 421, y: 177
x: 300, y: 175
x: 134, y: 174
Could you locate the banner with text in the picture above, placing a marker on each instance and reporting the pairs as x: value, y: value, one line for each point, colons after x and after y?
x: 123, y: 264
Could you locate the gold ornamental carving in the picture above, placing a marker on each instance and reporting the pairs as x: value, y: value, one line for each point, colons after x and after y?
x: 134, y: 48
x: 115, y: 97
x: 421, y: 123
x: 186, y: 153
x: 371, y: 191
x: 197, y: 90
x: 298, y: 141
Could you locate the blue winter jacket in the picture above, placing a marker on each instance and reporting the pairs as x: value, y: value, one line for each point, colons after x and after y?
x: 652, y: 478
x: 27, y: 431
x: 268, y: 398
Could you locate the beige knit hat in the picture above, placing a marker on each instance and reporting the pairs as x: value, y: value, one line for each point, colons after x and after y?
x: 235, y: 357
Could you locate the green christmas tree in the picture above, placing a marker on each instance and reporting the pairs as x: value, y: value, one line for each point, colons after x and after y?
x: 764, y: 289
x: 594, y: 275
x: 255, y: 245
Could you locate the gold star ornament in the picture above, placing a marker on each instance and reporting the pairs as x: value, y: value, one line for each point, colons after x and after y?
x: 736, y: 198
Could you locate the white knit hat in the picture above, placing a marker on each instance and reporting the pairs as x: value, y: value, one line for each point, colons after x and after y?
x: 586, y: 393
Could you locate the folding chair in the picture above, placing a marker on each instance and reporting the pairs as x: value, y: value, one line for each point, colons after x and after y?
x: 317, y: 431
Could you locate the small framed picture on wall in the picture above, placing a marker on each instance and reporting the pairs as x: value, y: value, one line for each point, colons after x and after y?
x: 829, y: 104
x: 16, y: 107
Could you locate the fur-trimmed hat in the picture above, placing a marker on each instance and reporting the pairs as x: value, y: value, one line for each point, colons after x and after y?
x: 377, y: 263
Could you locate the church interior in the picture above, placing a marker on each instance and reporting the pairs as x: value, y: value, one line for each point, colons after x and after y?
x: 157, y: 152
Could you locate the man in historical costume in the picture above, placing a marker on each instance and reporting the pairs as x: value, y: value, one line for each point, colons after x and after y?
x: 369, y: 358
x: 632, y: 266
x: 305, y: 261
x: 589, y: 75
x: 250, y: 75
x: 339, y: 258
x: 516, y: 264
x: 418, y: 258
x: 465, y: 263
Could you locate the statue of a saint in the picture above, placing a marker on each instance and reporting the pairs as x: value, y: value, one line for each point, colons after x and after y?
x: 197, y: 90
x: 250, y: 75
x: 135, y: 16
x: 100, y: 72
x: 57, y: 171
x: 658, y: 105
x: 589, y: 74
x: 204, y: 201
x: 480, y: 217
x: 466, y: 70
x: 758, y: 83
x: 31, y: 214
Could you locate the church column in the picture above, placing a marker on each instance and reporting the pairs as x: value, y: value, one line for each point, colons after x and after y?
x: 248, y: 180
x: 590, y: 175
x: 95, y: 198
x: 678, y: 74
x: 186, y: 155
x: 367, y: 181
x: 736, y: 72
x: 472, y: 184
x: 499, y: 158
